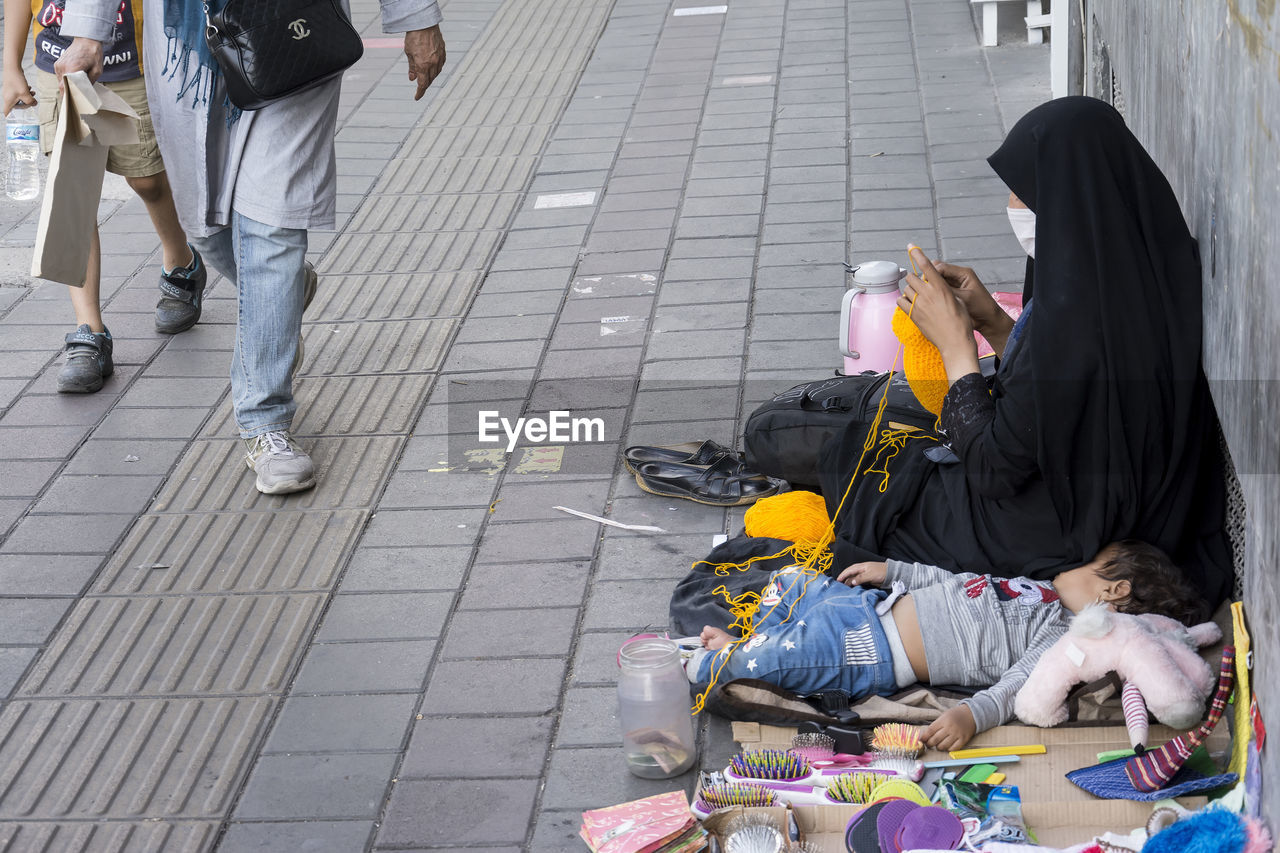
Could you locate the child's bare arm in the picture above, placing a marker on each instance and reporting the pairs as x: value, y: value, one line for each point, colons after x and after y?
x: 864, y: 574
x: 17, y: 26
x: 955, y: 728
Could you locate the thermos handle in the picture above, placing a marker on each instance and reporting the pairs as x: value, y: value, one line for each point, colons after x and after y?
x: 846, y: 316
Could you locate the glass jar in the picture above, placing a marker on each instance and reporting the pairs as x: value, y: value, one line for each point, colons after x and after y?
x: 654, y: 708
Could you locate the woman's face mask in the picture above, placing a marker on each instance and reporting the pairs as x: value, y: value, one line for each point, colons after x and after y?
x: 1023, y: 220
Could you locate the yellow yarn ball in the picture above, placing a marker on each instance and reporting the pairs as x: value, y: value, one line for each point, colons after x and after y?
x: 794, y: 516
x: 922, y: 363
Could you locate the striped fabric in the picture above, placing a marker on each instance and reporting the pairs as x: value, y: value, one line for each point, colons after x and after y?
x: 1155, y: 768
x: 1135, y: 714
x: 860, y: 647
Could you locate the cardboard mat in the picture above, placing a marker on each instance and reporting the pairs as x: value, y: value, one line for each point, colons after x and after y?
x: 1056, y: 810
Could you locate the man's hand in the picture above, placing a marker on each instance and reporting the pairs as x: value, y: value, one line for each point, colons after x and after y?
x: 425, y: 49
x: 952, y: 730
x: 16, y: 90
x: 864, y: 574
x: 83, y: 55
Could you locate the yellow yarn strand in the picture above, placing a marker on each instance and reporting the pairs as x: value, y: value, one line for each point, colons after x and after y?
x: 812, y: 558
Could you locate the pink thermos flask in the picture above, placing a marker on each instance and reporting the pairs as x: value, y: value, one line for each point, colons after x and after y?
x: 866, y: 315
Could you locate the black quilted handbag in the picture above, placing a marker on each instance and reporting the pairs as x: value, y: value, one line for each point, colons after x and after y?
x: 270, y: 49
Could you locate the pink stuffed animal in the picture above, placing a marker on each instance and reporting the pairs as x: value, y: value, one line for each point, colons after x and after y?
x: 1155, y: 653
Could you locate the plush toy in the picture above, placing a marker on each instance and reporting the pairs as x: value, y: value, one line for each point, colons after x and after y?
x: 1212, y: 830
x: 1154, y: 653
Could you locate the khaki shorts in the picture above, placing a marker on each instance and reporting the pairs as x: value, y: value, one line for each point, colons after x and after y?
x: 132, y: 161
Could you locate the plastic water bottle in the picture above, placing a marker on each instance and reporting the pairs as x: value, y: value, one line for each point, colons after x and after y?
x: 22, y: 133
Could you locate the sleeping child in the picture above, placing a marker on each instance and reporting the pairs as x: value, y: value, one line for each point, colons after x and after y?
x: 933, y: 626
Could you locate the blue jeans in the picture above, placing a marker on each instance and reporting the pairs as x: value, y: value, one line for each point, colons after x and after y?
x: 266, y: 264
x: 825, y: 637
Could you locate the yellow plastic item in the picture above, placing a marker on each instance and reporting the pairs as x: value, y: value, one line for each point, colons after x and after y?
x: 1240, y: 639
x: 922, y: 363
x: 798, y: 516
x: 900, y: 789
x: 988, y: 752
x: 994, y: 779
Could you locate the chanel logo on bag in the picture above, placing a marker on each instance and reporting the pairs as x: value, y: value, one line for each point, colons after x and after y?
x: 299, y: 28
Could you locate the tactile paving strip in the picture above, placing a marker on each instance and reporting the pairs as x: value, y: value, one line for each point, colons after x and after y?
x: 128, y: 758
x: 115, y: 837
x: 208, y: 644
x: 154, y: 695
x: 279, y: 551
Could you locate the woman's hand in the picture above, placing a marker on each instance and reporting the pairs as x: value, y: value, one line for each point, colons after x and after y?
x: 940, y: 315
x: 952, y: 730
x: 969, y: 289
x: 989, y: 319
x: 864, y: 574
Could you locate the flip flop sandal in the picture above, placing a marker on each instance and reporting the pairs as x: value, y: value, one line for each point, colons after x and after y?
x: 724, y: 483
x: 861, y: 834
x: 929, y: 828
x: 889, y: 823
x: 690, y: 453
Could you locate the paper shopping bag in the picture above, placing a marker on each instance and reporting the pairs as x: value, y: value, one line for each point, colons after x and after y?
x: 92, y: 119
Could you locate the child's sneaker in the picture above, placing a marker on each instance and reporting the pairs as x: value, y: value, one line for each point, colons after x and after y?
x: 281, y: 465
x: 88, y: 361
x: 181, y: 296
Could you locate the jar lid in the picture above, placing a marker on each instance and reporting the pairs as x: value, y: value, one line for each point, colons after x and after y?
x: 878, y: 276
x: 648, y: 652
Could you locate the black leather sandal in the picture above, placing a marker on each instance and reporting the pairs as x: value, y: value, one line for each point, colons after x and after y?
x: 690, y: 453
x: 726, y: 482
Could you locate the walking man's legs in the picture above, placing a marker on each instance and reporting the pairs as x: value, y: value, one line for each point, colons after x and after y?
x: 268, y: 265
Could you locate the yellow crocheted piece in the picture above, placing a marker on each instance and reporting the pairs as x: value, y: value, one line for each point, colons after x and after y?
x: 922, y: 363
x: 795, y: 516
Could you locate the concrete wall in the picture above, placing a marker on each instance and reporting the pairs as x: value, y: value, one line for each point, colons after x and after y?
x: 1199, y: 82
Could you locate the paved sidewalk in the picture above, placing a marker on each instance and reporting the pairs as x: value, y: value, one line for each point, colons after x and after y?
x: 633, y: 210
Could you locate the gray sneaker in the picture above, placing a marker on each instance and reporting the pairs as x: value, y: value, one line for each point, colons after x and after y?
x: 310, y: 283
x: 181, y: 296
x: 88, y: 361
x: 281, y: 465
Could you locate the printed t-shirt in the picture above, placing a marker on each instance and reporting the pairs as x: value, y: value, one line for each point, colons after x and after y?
x: 121, y: 53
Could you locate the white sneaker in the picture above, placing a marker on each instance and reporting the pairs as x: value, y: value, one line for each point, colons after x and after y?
x: 281, y: 465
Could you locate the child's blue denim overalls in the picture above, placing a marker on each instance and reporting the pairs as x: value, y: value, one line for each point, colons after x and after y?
x: 831, y: 639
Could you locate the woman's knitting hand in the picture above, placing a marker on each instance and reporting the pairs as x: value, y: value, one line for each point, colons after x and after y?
x: 983, y: 309
x: 935, y: 309
x: 864, y: 574
x: 952, y: 730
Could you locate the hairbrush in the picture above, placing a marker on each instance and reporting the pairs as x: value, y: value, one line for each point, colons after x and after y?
x: 813, y: 746
x: 755, y: 839
x: 753, y: 833
x: 788, y: 776
x: 728, y: 794
x: 897, y: 748
x: 820, y: 751
x: 777, y: 765
x: 853, y: 788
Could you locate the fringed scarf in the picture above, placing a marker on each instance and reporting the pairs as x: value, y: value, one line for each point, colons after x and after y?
x: 188, y: 58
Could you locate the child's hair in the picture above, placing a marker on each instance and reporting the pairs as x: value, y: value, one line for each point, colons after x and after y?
x: 1156, y: 585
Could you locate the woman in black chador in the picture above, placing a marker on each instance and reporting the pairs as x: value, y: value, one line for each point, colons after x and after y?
x: 1098, y: 425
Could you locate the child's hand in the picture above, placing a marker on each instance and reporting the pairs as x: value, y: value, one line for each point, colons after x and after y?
x: 15, y: 89
x: 952, y: 730
x: 864, y: 574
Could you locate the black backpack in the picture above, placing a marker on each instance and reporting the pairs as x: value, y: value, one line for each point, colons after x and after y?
x: 784, y: 437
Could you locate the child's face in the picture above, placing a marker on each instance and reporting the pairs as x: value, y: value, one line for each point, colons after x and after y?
x: 1083, y: 586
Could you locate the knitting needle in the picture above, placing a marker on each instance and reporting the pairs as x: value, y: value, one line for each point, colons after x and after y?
x: 647, y: 528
